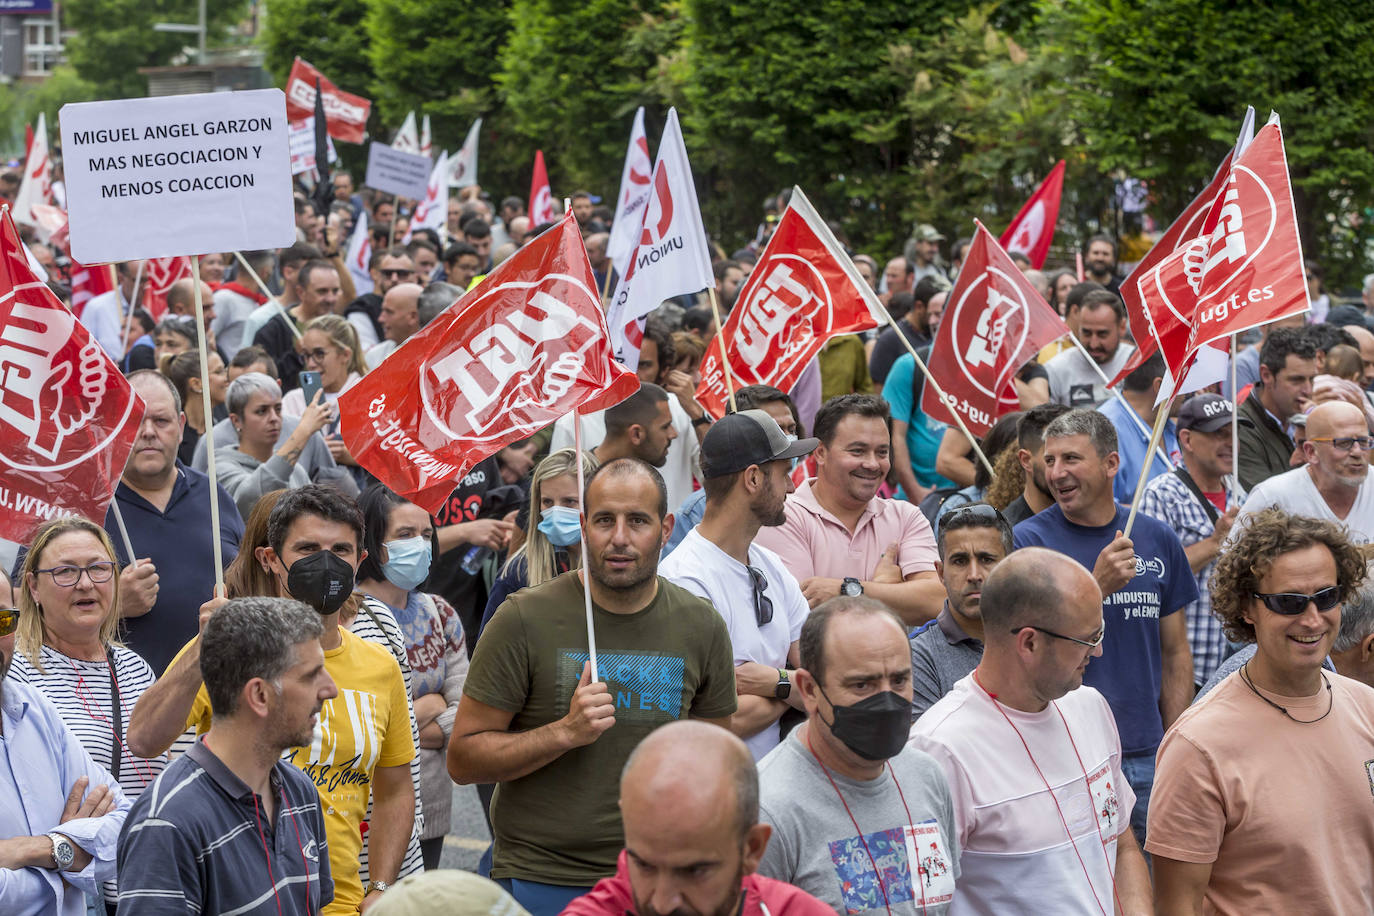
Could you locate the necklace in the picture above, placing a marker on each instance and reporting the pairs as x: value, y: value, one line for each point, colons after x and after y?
x: 1330, y: 697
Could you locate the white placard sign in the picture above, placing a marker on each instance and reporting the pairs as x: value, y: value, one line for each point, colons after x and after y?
x: 403, y: 174
x: 174, y: 175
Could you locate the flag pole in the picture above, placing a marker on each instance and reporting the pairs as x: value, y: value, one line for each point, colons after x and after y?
x: 582, y: 533
x: 720, y: 338
x: 123, y: 531
x: 939, y: 392
x: 133, y: 304
x: 1235, y: 429
x: 606, y: 284
x: 1130, y: 411
x: 268, y: 293
x: 209, y: 414
x: 1156, y: 434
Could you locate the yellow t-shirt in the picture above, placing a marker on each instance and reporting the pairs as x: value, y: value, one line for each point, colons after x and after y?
x: 364, y: 727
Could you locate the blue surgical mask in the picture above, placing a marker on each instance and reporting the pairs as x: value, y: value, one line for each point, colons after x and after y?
x: 562, y: 525
x: 407, y: 562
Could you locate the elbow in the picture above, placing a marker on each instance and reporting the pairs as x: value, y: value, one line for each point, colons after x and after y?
x: 139, y: 741
x: 460, y: 768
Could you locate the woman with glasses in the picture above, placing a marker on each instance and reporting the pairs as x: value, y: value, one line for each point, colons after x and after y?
x: 184, y: 373
x: 553, y: 543
x: 330, y: 347
x: 66, y: 647
x: 399, y: 539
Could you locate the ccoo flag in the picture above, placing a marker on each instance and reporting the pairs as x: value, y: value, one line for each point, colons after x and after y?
x: 670, y: 257
x: 432, y: 212
x: 463, y: 164
x: 407, y: 138
x: 994, y: 323
x: 803, y: 291
x: 1032, y: 229
x: 522, y: 348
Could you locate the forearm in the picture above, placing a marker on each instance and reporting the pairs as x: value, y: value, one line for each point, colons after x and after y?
x: 901, y: 466
x: 1176, y: 685
x: 958, y: 468
x: 451, y: 536
x: 755, y: 714
x: 393, y: 816
x: 1132, y: 878
x: 160, y: 714
x: 915, y: 601
x: 291, y: 449
x: 494, y: 756
x: 1202, y: 553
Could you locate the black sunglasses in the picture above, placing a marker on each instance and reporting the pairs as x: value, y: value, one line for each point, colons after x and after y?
x: 977, y: 510
x: 763, y: 605
x: 9, y: 620
x: 1291, y: 604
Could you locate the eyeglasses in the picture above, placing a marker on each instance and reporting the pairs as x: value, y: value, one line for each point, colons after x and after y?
x: 318, y: 354
x: 1346, y: 443
x: 977, y: 510
x: 9, y: 620
x: 67, y: 576
x: 1091, y: 644
x: 1291, y: 604
x: 763, y: 605
x: 395, y: 272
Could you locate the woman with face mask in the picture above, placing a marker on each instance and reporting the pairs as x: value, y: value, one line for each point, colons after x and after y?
x: 553, y: 542
x: 399, y: 539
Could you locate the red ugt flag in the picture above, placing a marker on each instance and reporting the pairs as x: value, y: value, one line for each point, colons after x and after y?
x: 994, y: 323
x: 160, y: 274
x: 68, y: 419
x: 521, y: 349
x: 345, y: 114
x: 1032, y: 229
x: 803, y: 291
x: 541, y: 197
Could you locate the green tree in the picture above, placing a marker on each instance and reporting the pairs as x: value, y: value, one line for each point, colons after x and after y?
x: 1159, y: 87
x: 113, y: 38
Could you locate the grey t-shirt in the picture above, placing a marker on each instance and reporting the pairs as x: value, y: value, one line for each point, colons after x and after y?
x: 941, y: 654
x: 1075, y: 383
x: 816, y: 848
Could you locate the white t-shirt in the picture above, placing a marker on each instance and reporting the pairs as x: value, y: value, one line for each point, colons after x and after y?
x: 708, y: 572
x: 1016, y: 855
x: 381, y: 351
x: 681, y: 467
x: 1075, y: 383
x: 1295, y: 492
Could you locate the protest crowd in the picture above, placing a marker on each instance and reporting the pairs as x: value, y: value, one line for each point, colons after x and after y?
x: 757, y: 624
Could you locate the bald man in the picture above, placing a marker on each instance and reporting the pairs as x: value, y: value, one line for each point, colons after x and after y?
x: 1336, y: 483
x: 1022, y: 723
x: 689, y: 796
x: 400, y: 317
x: 1365, y: 339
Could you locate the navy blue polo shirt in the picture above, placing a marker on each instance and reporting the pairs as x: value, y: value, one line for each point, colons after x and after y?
x: 177, y: 540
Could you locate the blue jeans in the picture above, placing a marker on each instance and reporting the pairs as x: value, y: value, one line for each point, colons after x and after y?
x: 1139, y: 770
x: 541, y: 899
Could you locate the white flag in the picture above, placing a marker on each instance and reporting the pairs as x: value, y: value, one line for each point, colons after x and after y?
x: 359, y: 255
x: 463, y: 164
x: 407, y: 139
x: 36, y: 185
x: 635, y: 177
x: 426, y: 144
x: 432, y: 212
x: 670, y: 256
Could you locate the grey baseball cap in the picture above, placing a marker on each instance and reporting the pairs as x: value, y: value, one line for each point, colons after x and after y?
x: 748, y: 437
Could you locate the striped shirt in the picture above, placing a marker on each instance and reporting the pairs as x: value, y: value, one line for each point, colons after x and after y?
x: 198, y: 842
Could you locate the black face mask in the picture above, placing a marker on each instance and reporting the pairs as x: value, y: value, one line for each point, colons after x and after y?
x: 322, y: 580
x: 876, y: 727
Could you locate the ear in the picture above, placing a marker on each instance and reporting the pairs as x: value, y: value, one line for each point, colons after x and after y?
x: 1025, y: 459
x: 1366, y: 648
x: 940, y: 570
x: 669, y: 522
x: 268, y: 558
x: 755, y: 842
x: 810, y: 691
x: 1309, y: 452
x: 635, y: 433
x: 257, y: 696
x: 1112, y: 463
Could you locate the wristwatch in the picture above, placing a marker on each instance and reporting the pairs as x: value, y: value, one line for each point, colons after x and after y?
x: 703, y: 420
x: 784, y: 688
x: 63, y: 853
x: 851, y: 587
x: 378, y: 886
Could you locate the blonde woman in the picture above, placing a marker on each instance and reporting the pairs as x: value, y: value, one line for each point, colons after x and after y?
x: 66, y: 647
x: 552, y: 542
x: 331, y: 348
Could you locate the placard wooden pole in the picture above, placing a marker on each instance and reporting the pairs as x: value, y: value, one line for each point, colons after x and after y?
x: 1235, y: 429
x: 209, y: 427
x: 1161, y: 419
x: 133, y: 304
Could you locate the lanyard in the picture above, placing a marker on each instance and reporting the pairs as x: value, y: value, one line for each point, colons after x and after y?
x: 1182, y: 474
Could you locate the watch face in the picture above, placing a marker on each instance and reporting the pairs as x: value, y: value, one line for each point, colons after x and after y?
x: 851, y: 588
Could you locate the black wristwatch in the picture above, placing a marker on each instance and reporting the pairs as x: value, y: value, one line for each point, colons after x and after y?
x: 851, y: 587
x: 703, y: 420
x: 784, y: 688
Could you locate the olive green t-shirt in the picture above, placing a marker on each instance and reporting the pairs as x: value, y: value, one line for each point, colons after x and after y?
x: 561, y: 824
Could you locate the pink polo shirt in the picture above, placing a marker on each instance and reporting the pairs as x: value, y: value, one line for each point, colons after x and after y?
x: 812, y: 542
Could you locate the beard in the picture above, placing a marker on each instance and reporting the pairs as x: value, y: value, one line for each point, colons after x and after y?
x: 768, y: 507
x: 727, y: 907
x: 626, y: 579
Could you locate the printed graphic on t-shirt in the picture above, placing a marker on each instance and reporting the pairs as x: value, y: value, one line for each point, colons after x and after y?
x: 859, y: 887
x: 646, y: 687
x: 1106, y: 804
x: 926, y: 848
x: 1081, y: 396
x: 345, y: 746
x: 1139, y: 600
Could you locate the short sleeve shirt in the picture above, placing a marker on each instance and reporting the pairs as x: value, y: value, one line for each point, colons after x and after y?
x: 1130, y: 672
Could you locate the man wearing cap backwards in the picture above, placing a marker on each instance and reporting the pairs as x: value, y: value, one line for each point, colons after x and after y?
x: 746, y: 459
x: 1337, y: 482
x: 1192, y: 501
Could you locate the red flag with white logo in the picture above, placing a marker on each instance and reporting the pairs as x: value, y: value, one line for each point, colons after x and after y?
x: 1250, y: 270
x: 158, y: 276
x: 1032, y: 229
x: 541, y: 196
x: 345, y: 114
x: 68, y: 419
x: 803, y: 291
x: 994, y: 323
x: 523, y: 348
x: 635, y: 178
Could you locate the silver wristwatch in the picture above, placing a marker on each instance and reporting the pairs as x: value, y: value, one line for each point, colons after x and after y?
x: 379, y: 886
x: 63, y: 853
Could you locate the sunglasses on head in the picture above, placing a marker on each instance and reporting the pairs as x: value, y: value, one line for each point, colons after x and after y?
x: 763, y: 605
x: 1291, y: 604
x: 9, y: 620
x: 977, y: 510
